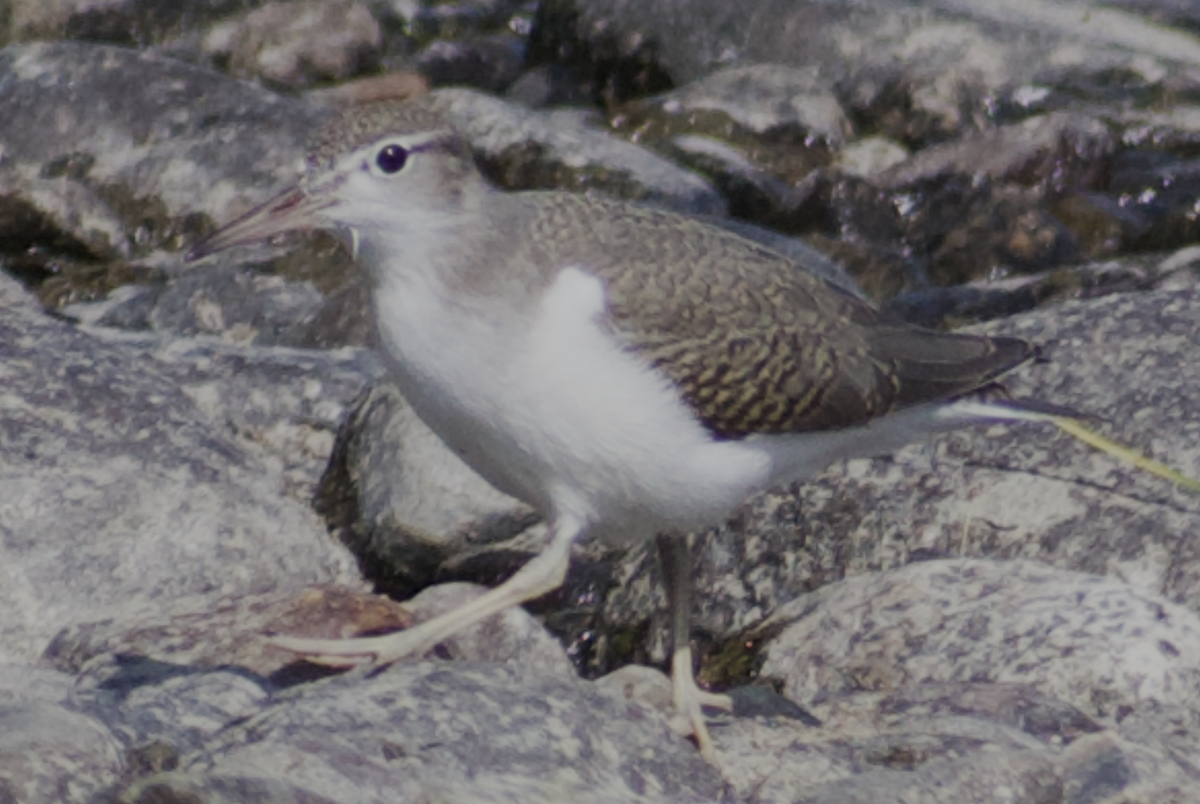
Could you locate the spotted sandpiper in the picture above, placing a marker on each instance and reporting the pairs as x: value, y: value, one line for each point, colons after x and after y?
x: 629, y: 372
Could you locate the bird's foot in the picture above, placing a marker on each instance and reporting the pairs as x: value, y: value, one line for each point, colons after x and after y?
x: 376, y: 650
x: 542, y: 574
x: 689, y: 700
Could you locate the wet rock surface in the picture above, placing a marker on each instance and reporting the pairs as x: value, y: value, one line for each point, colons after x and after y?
x: 195, y: 458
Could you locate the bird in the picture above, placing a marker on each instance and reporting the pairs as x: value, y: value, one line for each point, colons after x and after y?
x: 632, y: 373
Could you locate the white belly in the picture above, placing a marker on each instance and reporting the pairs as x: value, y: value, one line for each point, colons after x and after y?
x: 552, y: 411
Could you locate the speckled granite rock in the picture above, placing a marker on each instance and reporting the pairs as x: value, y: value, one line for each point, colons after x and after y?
x: 49, y: 751
x: 961, y: 669
x: 113, y: 480
x: 298, y: 44
x: 453, y: 732
x: 919, y: 69
x: 525, y: 149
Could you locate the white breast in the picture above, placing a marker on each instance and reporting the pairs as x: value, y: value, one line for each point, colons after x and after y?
x: 552, y: 410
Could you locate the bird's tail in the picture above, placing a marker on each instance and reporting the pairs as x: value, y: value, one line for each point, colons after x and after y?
x: 1071, y: 423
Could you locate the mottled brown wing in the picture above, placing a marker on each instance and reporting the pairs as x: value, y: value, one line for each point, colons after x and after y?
x: 757, y: 345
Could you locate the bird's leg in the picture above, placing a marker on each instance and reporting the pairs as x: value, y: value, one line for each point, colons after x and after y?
x: 544, y: 573
x: 675, y: 558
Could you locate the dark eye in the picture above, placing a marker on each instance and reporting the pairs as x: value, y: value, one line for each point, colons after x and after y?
x: 391, y: 158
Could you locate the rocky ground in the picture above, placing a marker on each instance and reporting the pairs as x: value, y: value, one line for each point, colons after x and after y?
x: 193, y: 458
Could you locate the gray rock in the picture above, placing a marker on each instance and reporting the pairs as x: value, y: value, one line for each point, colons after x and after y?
x: 403, y: 502
x: 1052, y: 151
x: 526, y: 149
x: 159, y: 156
x: 114, y: 481
x: 960, y: 742
x: 760, y: 132
x: 298, y: 44
x: 870, y: 156
x: 490, y: 62
x: 976, y: 302
x: 754, y: 194
x: 47, y: 751
x: 546, y: 85
x: 60, y: 212
x: 126, y: 22
x: 141, y: 174
x: 113, y: 656
x: 771, y: 103
x: 1095, y: 643
x: 284, y: 404
x: 918, y: 70
x: 236, y: 305
x: 450, y: 731
x: 432, y: 19
x: 1175, y: 129
x: 178, y: 708
x: 981, y: 204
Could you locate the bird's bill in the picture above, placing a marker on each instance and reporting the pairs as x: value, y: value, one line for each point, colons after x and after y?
x: 290, y: 210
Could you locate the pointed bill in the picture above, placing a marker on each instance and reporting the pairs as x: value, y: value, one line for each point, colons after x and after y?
x: 290, y: 210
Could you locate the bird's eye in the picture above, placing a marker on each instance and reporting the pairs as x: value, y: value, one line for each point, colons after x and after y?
x: 391, y: 158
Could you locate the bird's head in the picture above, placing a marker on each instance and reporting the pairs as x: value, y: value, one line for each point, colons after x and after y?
x: 382, y: 168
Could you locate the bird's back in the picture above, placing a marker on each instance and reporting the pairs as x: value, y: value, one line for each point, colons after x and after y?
x: 755, y: 343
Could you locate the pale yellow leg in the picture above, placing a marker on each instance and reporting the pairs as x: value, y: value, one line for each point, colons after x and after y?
x: 544, y: 573
x: 675, y: 558
x: 688, y: 698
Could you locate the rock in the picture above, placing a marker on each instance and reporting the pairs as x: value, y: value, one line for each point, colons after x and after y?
x: 457, y: 731
x: 159, y: 157
x: 125, y: 22
x: 298, y: 44
x: 954, y: 643
x: 403, y: 502
x: 918, y: 71
x: 1051, y: 152
x: 60, y: 213
x: 446, y: 19
x: 762, y: 103
x: 285, y: 404
x: 870, y: 156
x: 1095, y: 643
x: 760, y: 132
x: 546, y: 85
x: 237, y: 306
x: 976, y: 302
x: 753, y: 193
x: 110, y: 657
x: 156, y: 169
x: 490, y: 62
x: 49, y: 752
x: 524, y: 150
x: 165, y: 708
x: 114, y: 480
x: 978, y: 204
